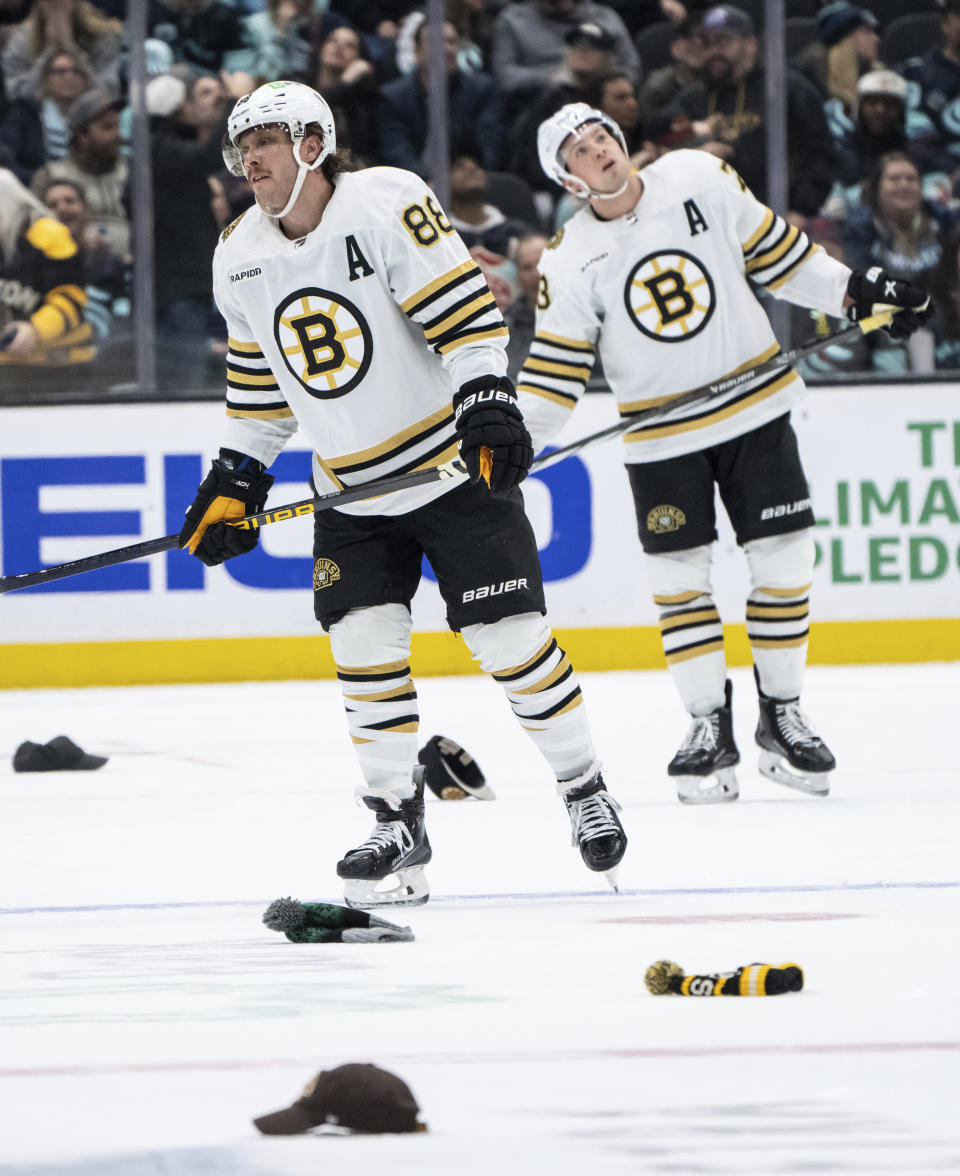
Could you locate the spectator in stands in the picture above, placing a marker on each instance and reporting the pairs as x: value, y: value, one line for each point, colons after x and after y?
x: 945, y: 288
x: 898, y: 230
x: 347, y: 79
x: 474, y: 109
x: 846, y: 49
x: 732, y: 84
x: 529, y: 43
x: 63, y: 24
x: 615, y: 93
x: 934, y: 79
x: 95, y: 163
x: 106, y: 275
x: 187, y: 124
x: 41, y: 284
x: 879, y: 127
x: 520, y: 316
x: 34, y: 129
x: 276, y: 41
x: 477, y: 221
x: 662, y: 86
x: 200, y: 32
x: 469, y: 54
x: 588, y: 56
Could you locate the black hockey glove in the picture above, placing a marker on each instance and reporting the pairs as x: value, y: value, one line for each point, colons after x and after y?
x: 236, y: 486
x: 875, y: 289
x: 488, y: 418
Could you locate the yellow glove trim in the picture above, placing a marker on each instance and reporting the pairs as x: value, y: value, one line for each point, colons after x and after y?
x: 221, y: 510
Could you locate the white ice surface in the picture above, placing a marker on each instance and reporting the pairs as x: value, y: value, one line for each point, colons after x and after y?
x: 147, y: 1015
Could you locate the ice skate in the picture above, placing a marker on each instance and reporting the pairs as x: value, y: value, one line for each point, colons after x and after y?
x: 791, y: 752
x: 387, y: 869
x: 703, y: 767
x: 595, y: 826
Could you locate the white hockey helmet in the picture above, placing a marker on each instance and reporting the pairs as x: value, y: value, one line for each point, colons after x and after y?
x: 289, y: 104
x: 554, y: 132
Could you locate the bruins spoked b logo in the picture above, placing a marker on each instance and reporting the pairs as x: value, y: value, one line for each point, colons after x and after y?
x: 325, y: 341
x: 669, y: 296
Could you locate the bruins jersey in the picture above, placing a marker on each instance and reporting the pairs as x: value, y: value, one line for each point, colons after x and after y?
x: 663, y: 295
x: 357, y: 334
x: 42, y: 283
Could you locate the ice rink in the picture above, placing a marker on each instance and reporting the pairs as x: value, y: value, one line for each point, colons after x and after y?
x: 148, y: 1015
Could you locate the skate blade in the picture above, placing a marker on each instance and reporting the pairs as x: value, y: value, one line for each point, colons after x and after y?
x: 404, y: 888
x: 775, y: 768
x: 720, y: 788
x: 611, y: 876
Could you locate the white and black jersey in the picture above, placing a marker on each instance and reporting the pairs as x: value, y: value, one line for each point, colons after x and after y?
x: 357, y: 333
x: 663, y: 295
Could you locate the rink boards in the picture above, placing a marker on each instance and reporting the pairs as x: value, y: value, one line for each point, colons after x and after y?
x: 883, y: 463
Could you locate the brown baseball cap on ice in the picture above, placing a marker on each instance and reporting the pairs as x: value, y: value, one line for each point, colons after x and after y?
x: 358, y: 1096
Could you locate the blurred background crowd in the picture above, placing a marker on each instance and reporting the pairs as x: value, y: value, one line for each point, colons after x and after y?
x: 873, y: 147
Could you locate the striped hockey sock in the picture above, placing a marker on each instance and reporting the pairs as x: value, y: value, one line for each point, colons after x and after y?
x: 381, y: 705
x: 545, y: 696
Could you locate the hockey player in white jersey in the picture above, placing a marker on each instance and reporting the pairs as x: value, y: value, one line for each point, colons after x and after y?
x: 355, y: 313
x: 653, y: 274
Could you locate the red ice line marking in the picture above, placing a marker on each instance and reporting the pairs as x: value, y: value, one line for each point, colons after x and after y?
x: 473, y: 1059
x: 773, y: 916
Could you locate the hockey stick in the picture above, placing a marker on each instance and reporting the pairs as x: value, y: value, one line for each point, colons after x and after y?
x: 450, y: 469
x: 702, y: 394
x: 308, y: 506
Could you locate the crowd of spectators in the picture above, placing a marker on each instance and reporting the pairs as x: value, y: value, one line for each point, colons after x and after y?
x: 873, y: 138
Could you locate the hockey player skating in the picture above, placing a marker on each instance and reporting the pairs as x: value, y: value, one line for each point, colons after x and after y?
x: 652, y: 275
x: 354, y: 311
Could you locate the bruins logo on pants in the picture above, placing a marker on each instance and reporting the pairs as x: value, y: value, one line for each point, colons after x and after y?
x: 326, y: 343
x: 325, y: 571
x: 665, y: 518
x: 669, y: 296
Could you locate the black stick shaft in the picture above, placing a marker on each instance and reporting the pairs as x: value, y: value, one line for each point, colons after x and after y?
x: 452, y: 469
x: 704, y: 393
x: 307, y: 506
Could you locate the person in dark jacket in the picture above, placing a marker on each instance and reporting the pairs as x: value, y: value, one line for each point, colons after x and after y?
x: 187, y: 123
x: 474, y: 109
x: 733, y: 85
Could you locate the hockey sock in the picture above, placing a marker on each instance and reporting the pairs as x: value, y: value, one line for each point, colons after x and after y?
x: 751, y: 980
x: 545, y: 696
x: 381, y: 704
x: 777, y: 625
x: 693, y: 646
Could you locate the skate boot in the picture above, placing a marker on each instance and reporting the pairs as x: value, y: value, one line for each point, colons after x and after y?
x: 703, y: 767
x: 791, y: 752
x: 387, y: 870
x: 595, y: 826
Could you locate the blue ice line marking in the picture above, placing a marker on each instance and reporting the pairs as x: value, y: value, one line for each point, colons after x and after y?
x: 813, y: 888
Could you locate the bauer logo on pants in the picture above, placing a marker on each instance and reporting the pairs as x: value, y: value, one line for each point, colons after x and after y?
x: 325, y: 571
x: 669, y: 296
x: 665, y: 518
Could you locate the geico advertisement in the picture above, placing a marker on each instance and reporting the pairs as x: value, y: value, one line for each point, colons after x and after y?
x: 883, y: 463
